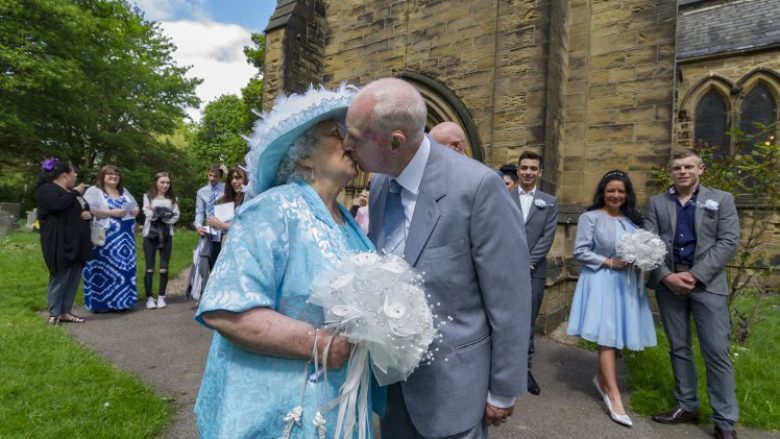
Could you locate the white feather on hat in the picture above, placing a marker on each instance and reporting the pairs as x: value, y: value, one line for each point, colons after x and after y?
x: 291, y: 116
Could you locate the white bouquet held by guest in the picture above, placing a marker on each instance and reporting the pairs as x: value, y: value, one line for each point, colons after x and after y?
x: 643, y: 249
x: 378, y: 303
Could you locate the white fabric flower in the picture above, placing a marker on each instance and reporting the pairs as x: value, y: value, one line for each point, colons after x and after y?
x: 711, y: 205
x: 541, y: 204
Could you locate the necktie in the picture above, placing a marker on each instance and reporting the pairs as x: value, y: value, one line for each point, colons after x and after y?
x: 212, y: 201
x: 395, y: 230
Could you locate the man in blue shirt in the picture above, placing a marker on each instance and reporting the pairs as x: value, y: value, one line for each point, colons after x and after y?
x: 701, y: 226
x: 205, y: 200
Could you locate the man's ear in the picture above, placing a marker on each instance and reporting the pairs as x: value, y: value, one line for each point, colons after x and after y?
x: 399, y: 139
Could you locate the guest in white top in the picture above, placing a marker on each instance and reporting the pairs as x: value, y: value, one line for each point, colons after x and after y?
x: 162, y: 212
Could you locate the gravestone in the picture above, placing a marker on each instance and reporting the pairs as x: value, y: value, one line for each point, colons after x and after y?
x: 9, y: 215
x: 32, y: 216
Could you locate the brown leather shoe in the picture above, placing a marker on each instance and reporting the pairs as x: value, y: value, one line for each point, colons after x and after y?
x: 725, y: 434
x: 677, y: 416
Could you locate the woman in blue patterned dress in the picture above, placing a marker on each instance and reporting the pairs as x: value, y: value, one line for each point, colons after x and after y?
x: 610, y: 304
x: 259, y: 379
x: 110, y: 277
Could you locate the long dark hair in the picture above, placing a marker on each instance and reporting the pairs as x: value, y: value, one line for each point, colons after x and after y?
x: 152, y: 194
x: 629, y: 206
x: 52, y: 169
x: 230, y: 194
x: 101, y: 181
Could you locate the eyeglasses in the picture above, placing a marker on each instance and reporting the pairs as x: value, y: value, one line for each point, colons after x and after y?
x: 339, y: 130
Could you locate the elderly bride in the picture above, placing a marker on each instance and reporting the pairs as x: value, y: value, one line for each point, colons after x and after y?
x: 260, y: 378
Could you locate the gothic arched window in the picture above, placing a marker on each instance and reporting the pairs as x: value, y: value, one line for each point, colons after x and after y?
x: 711, y: 123
x: 759, y: 107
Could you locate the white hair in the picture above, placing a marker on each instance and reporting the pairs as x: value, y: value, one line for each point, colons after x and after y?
x: 398, y: 106
x: 304, y: 146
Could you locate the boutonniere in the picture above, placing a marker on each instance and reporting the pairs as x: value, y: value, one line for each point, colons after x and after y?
x: 541, y: 204
x: 710, y: 205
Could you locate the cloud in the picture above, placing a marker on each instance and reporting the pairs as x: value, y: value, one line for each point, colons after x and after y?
x: 158, y: 10
x: 215, y: 53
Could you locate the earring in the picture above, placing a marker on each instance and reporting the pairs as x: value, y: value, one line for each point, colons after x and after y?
x: 311, y: 175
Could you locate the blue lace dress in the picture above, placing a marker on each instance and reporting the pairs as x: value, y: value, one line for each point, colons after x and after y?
x: 610, y: 307
x: 110, y: 276
x: 278, y: 244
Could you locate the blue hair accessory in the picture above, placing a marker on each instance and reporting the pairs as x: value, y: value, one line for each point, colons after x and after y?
x: 276, y: 131
x: 50, y: 163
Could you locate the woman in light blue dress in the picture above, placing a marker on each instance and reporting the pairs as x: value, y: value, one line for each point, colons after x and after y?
x: 259, y: 380
x: 610, y: 305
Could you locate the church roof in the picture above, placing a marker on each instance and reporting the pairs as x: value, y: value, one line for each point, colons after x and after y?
x: 282, y: 14
x: 707, y: 28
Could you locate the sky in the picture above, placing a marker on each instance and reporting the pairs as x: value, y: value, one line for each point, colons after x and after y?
x: 210, y: 36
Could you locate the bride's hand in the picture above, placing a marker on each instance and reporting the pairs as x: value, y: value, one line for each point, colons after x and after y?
x: 340, y: 349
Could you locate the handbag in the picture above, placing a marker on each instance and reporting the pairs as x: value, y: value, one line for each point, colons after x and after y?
x: 97, y: 234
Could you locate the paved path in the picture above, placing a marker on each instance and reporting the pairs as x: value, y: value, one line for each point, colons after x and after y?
x: 167, y: 349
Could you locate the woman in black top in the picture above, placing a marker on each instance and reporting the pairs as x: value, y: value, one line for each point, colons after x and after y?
x: 65, y: 236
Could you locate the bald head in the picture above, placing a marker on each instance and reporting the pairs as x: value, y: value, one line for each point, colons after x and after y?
x: 450, y: 135
x: 386, y: 125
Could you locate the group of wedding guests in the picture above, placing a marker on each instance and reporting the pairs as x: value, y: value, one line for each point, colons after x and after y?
x: 99, y: 242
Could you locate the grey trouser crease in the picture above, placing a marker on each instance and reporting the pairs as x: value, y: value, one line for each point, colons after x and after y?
x: 537, y: 295
x: 63, y: 286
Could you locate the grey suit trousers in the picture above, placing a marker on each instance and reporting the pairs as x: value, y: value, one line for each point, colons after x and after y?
x: 711, y: 316
x: 63, y: 286
x: 398, y: 425
x: 537, y: 295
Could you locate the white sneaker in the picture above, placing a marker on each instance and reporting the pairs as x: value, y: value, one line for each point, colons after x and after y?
x: 150, y: 303
x: 161, y: 302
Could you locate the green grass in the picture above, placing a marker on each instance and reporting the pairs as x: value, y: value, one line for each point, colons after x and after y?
x: 756, y: 365
x: 52, y: 386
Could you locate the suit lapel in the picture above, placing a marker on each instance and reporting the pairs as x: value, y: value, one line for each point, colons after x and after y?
x: 671, y: 208
x: 426, y: 210
x: 701, y: 198
x: 532, y: 208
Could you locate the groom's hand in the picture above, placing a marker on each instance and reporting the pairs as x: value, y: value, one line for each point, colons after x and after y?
x: 496, y: 416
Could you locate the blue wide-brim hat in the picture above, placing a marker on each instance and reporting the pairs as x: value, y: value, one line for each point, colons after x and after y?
x: 291, y: 116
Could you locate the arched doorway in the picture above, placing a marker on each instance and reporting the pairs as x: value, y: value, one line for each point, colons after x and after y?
x: 443, y: 105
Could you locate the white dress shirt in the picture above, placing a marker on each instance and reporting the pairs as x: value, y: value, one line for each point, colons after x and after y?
x: 526, y: 198
x: 410, y: 179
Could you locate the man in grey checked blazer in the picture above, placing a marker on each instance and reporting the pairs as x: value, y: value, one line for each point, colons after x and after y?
x: 540, y: 216
x: 701, y: 228
x: 463, y: 232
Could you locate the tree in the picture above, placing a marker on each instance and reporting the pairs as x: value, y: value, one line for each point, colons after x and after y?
x: 218, y: 136
x: 252, y: 93
x: 86, y: 80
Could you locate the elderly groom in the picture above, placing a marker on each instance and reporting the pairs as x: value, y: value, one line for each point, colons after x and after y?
x: 701, y: 227
x: 452, y: 219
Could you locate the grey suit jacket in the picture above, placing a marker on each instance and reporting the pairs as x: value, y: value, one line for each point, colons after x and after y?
x: 540, y: 230
x: 717, y: 236
x: 464, y: 237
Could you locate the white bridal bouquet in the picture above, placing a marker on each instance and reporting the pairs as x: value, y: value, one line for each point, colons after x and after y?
x: 642, y: 248
x: 378, y: 303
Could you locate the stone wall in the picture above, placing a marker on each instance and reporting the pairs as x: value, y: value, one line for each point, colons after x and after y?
x: 619, y: 93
